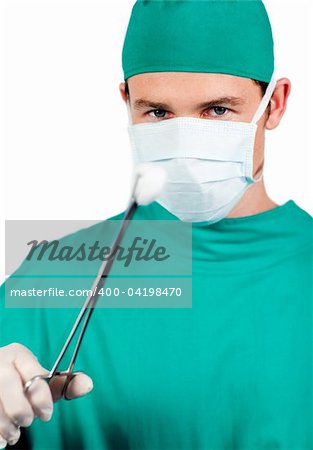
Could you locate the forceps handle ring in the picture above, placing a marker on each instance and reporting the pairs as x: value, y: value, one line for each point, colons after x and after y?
x: 46, y: 377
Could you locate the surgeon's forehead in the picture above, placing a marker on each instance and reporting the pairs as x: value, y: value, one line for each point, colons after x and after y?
x: 191, y: 86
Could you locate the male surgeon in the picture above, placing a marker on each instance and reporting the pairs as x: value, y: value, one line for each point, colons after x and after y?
x: 234, y: 371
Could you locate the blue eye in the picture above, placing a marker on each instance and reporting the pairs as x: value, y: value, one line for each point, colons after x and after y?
x: 219, y: 110
x: 158, y: 113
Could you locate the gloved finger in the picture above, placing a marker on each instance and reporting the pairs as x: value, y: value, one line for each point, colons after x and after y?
x: 79, y: 385
x: 14, y: 403
x: 38, y: 394
x: 9, y: 432
x: 3, y: 442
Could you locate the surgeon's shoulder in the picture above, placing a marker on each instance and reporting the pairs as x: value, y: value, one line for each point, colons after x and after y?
x: 302, y: 213
x: 302, y: 222
x: 102, y: 232
x: 302, y: 216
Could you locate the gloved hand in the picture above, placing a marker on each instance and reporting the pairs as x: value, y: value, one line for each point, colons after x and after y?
x: 17, y: 409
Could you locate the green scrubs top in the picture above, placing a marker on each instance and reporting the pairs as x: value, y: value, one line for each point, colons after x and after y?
x: 234, y: 371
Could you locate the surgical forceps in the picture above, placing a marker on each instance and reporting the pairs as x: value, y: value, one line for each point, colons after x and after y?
x: 87, y: 308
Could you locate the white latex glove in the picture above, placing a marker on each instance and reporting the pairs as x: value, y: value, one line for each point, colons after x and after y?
x: 18, y: 365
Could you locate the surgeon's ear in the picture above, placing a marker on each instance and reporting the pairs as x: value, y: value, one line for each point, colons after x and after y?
x: 122, y: 88
x: 278, y: 103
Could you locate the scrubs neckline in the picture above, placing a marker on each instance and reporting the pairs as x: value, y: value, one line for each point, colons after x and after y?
x: 156, y: 211
x: 264, y: 215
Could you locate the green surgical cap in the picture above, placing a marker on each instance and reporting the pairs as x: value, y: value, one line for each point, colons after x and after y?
x: 217, y: 36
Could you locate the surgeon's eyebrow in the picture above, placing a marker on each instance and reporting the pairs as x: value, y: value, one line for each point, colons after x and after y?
x: 231, y: 101
x: 143, y: 104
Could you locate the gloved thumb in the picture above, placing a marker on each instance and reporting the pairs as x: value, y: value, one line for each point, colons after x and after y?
x: 80, y: 384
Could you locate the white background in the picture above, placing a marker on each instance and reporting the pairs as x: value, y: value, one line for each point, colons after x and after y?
x: 64, y: 141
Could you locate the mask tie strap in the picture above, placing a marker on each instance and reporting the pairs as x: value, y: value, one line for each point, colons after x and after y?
x: 265, y: 100
x: 129, y: 112
x: 257, y: 116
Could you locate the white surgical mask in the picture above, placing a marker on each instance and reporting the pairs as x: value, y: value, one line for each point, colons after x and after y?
x: 209, y: 162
